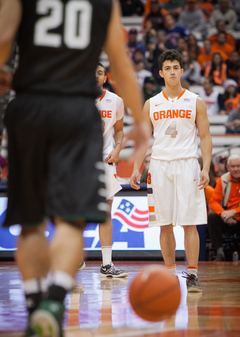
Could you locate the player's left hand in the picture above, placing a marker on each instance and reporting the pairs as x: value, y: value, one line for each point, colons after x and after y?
x: 204, y: 180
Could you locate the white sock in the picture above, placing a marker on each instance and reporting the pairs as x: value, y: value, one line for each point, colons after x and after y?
x: 172, y: 269
x: 61, y: 279
x: 34, y: 286
x: 220, y: 251
x: 192, y: 270
x: 106, y: 255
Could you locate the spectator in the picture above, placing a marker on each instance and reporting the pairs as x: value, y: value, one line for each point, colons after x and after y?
x: 193, y: 47
x: 193, y: 19
x: 207, y: 7
x: 221, y: 27
x: 133, y: 43
x: 221, y: 165
x: 233, y: 122
x: 181, y: 45
x: 173, y: 31
x: 150, y: 35
x: 232, y: 65
x: 162, y: 45
x: 144, y: 175
x: 150, y: 88
x: 230, y: 99
x: 205, y: 56
x: 217, y: 69
x: 225, y: 215
x: 225, y: 13
x: 138, y: 56
x: 132, y: 7
x: 174, y: 7
x: 156, y: 14
x: 221, y: 46
x: 191, y: 69
x: 210, y: 96
x: 141, y: 73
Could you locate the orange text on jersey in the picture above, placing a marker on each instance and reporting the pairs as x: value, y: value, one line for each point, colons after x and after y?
x: 172, y: 114
x: 106, y: 113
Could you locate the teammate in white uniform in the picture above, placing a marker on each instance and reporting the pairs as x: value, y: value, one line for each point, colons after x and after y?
x: 175, y: 182
x: 111, y: 109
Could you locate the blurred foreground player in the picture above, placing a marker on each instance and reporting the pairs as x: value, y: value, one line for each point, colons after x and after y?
x: 55, y: 148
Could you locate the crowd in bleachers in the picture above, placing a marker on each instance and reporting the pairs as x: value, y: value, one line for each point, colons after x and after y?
x: 205, y: 32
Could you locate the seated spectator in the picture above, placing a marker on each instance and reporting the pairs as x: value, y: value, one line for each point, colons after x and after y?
x: 191, y: 68
x: 149, y: 35
x: 144, y: 175
x: 205, y: 56
x: 217, y: 69
x: 193, y: 47
x: 133, y: 43
x: 225, y: 206
x: 181, y: 45
x: 174, y: 32
x: 193, y: 19
x: 156, y: 14
x: 232, y: 65
x: 138, y: 56
x: 207, y: 8
x: 230, y: 99
x: 221, y: 46
x: 225, y: 13
x: 132, y: 7
x: 210, y: 96
x: 221, y: 27
x: 221, y: 165
x: 161, y: 46
x: 174, y: 7
x: 233, y: 122
x: 141, y: 73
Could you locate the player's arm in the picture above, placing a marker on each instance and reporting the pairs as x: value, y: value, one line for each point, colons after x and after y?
x: 123, y: 73
x: 135, y: 177
x: 118, y: 137
x: 205, y: 141
x: 10, y: 16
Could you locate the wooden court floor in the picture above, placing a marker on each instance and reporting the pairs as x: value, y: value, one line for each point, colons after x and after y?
x: 101, y: 307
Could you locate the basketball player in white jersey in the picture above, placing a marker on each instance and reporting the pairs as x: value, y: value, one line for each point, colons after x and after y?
x: 175, y: 182
x: 111, y: 109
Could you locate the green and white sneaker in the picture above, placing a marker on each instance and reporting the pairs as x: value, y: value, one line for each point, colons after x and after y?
x: 46, y: 320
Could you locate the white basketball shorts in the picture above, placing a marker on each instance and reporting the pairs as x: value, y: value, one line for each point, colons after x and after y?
x: 112, y: 185
x: 173, y: 193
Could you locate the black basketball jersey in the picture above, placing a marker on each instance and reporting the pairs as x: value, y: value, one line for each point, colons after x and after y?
x: 59, y: 45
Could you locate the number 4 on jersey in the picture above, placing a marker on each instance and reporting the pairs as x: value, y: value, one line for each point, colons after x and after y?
x: 172, y: 130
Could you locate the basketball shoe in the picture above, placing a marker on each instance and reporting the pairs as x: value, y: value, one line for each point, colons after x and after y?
x: 47, y: 319
x: 111, y: 271
x: 82, y: 265
x: 193, y: 285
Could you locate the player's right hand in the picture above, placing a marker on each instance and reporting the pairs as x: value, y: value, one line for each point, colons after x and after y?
x: 135, y: 180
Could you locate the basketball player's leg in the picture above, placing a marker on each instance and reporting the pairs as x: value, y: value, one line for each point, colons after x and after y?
x: 191, y: 239
x: 105, y: 237
x: 168, y: 246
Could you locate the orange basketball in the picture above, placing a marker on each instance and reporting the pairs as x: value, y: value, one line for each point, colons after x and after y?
x: 155, y: 294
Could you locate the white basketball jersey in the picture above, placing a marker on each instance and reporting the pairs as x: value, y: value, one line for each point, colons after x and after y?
x: 111, y: 109
x: 174, y: 122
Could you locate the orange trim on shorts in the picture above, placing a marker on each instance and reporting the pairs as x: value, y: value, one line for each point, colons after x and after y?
x: 151, y: 209
x: 171, y: 266
x: 192, y: 267
x: 104, y: 93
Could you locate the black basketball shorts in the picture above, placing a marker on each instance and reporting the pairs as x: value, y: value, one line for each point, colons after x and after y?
x: 55, y: 160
